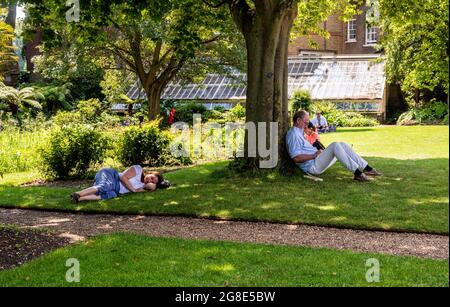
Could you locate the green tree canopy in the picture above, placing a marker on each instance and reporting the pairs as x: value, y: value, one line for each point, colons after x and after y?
x: 155, y: 39
x: 415, y: 41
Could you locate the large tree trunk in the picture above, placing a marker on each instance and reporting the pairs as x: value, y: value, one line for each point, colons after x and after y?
x: 266, y: 31
x: 154, y: 100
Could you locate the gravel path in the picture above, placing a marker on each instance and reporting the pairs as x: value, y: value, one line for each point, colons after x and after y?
x: 79, y: 226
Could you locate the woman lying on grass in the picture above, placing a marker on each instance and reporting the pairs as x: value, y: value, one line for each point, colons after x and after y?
x: 109, y: 183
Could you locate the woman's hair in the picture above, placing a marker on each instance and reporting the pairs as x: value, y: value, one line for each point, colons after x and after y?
x: 311, y: 126
x: 162, y: 183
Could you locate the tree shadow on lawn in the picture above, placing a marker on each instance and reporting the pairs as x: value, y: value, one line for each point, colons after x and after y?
x: 412, y: 196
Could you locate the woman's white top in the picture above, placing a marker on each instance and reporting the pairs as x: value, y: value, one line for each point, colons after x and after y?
x: 134, y: 181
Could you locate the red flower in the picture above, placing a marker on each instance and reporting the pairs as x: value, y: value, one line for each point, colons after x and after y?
x: 171, y: 116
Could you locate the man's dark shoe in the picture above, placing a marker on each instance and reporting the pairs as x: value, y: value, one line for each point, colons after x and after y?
x: 373, y: 173
x: 361, y: 178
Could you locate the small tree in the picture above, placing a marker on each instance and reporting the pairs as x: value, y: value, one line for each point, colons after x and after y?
x: 301, y: 100
x: 23, y: 100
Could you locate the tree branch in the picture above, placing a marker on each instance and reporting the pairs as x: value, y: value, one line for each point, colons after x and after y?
x: 212, y: 39
x: 241, y: 12
x: 216, y: 5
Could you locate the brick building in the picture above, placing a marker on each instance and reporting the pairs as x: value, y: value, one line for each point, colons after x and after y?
x: 352, y: 37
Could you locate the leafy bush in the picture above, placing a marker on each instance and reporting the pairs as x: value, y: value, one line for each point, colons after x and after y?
x: 90, y: 109
x: 64, y: 118
x: 354, y: 119
x: 215, y: 115
x: 107, y: 120
x: 301, y: 100
x: 71, y: 150
x: 147, y: 145
x: 340, y: 118
x: 221, y: 116
x: 23, y: 100
x: 408, y: 118
x: 185, y: 111
x: 236, y: 113
x: 433, y: 112
x: 56, y: 97
x: 86, y: 116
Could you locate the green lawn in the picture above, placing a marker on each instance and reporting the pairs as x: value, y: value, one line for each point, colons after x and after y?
x: 131, y: 260
x: 412, y: 196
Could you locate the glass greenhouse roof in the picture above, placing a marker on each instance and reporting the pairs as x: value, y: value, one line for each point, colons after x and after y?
x: 326, y: 78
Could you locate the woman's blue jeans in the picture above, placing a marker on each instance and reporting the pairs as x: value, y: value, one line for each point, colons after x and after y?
x: 107, y: 182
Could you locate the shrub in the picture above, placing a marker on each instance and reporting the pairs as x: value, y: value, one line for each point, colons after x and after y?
x: 433, y: 112
x: 71, y: 150
x: 215, y: 115
x: 185, y: 111
x: 106, y: 120
x: 56, y: 96
x: 103, y: 120
x: 236, y: 113
x: 301, y: 100
x: 407, y: 118
x: 358, y: 120
x: 342, y: 119
x: 147, y: 145
x: 90, y: 109
x: 64, y: 118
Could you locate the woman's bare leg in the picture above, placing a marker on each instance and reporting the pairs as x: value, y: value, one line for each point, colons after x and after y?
x: 90, y: 197
x: 88, y: 191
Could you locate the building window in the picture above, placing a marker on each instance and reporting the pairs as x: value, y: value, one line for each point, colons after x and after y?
x: 372, y: 18
x: 351, y: 30
x: 371, y: 35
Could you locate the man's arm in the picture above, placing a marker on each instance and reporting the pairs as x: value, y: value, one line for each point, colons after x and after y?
x: 304, y: 158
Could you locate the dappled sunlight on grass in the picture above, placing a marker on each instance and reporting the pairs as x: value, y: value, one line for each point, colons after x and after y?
x: 325, y: 208
x: 172, y: 203
x: 223, y: 213
x: 227, y: 267
x: 429, y: 201
x: 271, y: 205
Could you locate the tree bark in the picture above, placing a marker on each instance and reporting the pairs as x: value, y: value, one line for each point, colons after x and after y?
x: 266, y: 30
x: 12, y: 13
x: 154, y: 101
